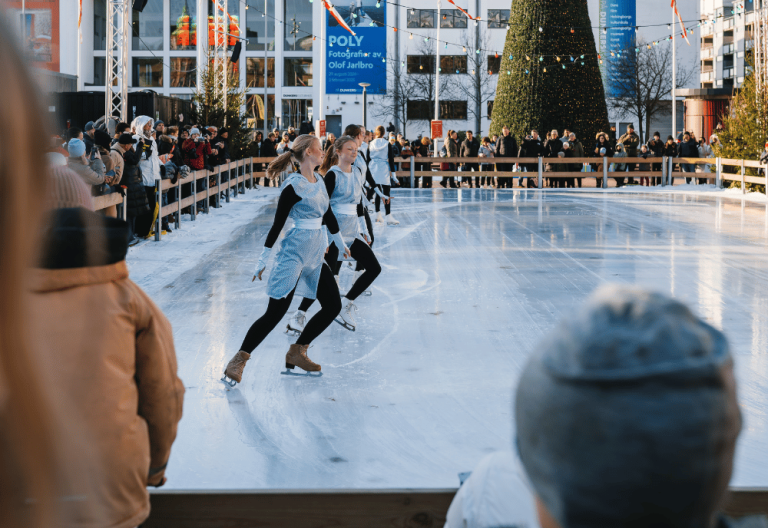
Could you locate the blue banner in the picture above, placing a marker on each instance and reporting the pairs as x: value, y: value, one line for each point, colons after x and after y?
x: 361, y: 58
x: 619, y: 17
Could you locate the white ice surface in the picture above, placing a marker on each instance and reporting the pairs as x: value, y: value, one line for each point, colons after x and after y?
x: 472, y: 280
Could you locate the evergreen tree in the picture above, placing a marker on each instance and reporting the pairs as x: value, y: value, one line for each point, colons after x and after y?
x: 208, y: 110
x: 535, y: 89
x: 745, y: 129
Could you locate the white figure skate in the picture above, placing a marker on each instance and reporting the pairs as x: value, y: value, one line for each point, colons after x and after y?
x: 347, y: 316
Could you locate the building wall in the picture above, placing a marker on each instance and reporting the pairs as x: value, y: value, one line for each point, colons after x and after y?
x: 725, y: 45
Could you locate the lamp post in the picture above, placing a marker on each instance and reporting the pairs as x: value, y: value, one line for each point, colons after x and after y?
x: 365, y: 104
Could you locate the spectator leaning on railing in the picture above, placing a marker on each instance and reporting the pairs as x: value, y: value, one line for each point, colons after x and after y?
x: 92, y: 171
x: 195, y: 149
x: 137, y: 202
x: 469, y: 149
x: 631, y: 142
x: 506, y: 147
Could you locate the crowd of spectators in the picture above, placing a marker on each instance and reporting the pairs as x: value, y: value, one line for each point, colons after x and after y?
x: 552, y: 145
x: 135, y: 156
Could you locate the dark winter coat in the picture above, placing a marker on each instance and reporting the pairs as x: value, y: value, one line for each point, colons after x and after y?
x: 577, y: 151
x: 469, y: 148
x: 689, y: 149
x: 656, y: 148
x: 670, y: 150
x: 223, y: 152
x: 268, y: 148
x: 551, y: 148
x: 531, y: 148
x: 608, y: 150
x: 631, y: 142
x: 506, y: 147
x: 135, y: 193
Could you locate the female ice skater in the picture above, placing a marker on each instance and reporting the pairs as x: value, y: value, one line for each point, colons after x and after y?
x: 381, y: 161
x: 361, y: 165
x: 299, y: 264
x: 346, y: 192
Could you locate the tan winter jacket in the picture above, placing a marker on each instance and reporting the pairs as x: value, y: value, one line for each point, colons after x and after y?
x: 118, y: 163
x: 112, y: 357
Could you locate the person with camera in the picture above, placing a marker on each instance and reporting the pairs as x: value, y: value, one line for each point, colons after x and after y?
x: 195, y: 148
x: 89, y: 167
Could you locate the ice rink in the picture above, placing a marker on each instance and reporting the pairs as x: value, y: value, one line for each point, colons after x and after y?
x: 472, y: 280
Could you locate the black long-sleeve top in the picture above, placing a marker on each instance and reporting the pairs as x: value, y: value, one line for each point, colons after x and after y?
x: 289, y: 198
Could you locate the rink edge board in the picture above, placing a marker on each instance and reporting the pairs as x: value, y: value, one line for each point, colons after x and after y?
x: 340, y: 508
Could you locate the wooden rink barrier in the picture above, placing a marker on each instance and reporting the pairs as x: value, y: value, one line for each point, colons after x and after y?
x: 388, y: 508
x: 242, y: 171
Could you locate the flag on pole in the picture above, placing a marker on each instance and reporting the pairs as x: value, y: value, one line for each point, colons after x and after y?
x: 674, y: 6
x: 460, y: 9
x: 337, y: 16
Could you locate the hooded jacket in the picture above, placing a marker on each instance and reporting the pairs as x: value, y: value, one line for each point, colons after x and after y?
x: 112, y: 359
x: 150, y: 160
x: 381, y: 160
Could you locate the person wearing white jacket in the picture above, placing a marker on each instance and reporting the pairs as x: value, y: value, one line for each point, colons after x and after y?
x: 381, y: 163
x: 143, y: 129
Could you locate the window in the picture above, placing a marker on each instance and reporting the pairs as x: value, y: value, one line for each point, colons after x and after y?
x: 498, y: 18
x: 494, y: 64
x: 420, y: 64
x: 254, y: 73
x: 147, y: 27
x: 147, y: 72
x: 425, y: 110
x: 452, y: 18
x: 418, y: 110
x: 232, y: 24
x: 298, y: 25
x: 100, y: 26
x: 489, y: 106
x: 254, y: 26
x: 453, y: 110
x: 295, y: 111
x: 183, y: 72
x: 183, y: 25
x: 453, y: 64
x: 99, y: 71
x: 255, y: 115
x: 297, y: 72
x: 421, y: 18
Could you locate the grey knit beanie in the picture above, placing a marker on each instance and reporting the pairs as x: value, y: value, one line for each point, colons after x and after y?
x: 67, y: 189
x: 627, y: 416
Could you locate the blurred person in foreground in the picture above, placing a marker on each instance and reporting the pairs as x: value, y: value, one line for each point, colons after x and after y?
x: 113, y: 357
x: 626, y: 416
x: 35, y: 452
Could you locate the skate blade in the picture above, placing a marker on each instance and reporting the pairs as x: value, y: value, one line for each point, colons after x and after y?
x: 345, y: 324
x: 292, y: 331
x: 229, y: 381
x: 305, y: 374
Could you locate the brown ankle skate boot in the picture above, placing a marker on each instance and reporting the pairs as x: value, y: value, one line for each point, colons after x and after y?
x: 297, y: 357
x: 234, y: 370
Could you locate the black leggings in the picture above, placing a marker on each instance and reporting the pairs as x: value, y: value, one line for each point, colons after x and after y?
x: 386, y: 189
x: 366, y: 260
x: 330, y: 302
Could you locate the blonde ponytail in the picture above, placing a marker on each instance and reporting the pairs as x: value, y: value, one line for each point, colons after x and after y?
x: 332, y: 155
x: 300, y: 145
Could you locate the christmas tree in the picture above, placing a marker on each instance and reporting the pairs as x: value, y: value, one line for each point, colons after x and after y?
x: 745, y: 129
x: 209, y: 110
x: 549, y: 76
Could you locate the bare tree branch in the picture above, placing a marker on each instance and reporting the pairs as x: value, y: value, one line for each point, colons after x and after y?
x: 641, y: 83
